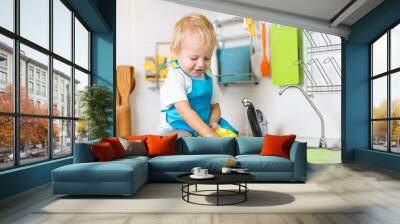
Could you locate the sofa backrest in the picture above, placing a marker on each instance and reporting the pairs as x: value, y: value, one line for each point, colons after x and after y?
x: 195, y: 146
x: 249, y: 145
x: 83, y: 152
x: 190, y: 146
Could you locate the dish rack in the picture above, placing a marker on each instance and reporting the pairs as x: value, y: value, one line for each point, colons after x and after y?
x: 326, y: 82
x: 234, y: 77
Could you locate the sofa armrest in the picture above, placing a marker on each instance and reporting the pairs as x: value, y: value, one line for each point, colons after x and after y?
x: 83, y: 152
x: 298, y: 155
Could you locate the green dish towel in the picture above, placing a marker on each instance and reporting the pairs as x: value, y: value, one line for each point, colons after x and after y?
x: 284, y: 55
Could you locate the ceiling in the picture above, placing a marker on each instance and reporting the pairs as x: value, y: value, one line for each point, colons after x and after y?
x: 320, y: 9
x: 328, y: 16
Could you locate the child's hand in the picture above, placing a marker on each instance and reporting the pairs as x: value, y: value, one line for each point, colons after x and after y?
x: 213, y: 134
x: 214, y: 126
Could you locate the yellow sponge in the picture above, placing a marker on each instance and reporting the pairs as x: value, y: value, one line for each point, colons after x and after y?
x: 222, y: 132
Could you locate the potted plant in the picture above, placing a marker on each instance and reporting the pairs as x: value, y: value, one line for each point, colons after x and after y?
x: 96, y: 103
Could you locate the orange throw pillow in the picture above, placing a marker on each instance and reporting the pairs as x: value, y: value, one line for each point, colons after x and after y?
x: 275, y: 145
x: 136, y: 137
x: 161, y: 145
x: 116, y: 145
x: 103, y: 151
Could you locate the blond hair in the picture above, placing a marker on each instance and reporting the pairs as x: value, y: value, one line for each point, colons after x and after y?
x: 193, y: 24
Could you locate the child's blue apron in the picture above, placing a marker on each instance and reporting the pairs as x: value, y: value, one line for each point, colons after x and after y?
x: 200, y: 101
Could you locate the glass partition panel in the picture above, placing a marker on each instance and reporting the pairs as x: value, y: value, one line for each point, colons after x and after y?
x: 7, y: 14
x: 34, y: 144
x: 379, y: 56
x: 379, y: 135
x: 62, y: 89
x: 379, y: 98
x: 34, y: 72
x: 395, y: 47
x: 395, y: 136
x: 62, y: 138
x: 35, y: 21
x: 6, y: 142
x: 62, y: 29
x: 81, y: 82
x: 81, y: 45
x: 6, y: 74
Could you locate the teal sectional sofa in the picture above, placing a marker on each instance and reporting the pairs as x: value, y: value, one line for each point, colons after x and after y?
x: 125, y: 176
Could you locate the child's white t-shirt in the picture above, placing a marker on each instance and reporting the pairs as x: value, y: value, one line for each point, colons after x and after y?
x: 177, y: 85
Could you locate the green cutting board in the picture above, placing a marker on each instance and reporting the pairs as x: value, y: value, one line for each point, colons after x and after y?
x: 284, y: 44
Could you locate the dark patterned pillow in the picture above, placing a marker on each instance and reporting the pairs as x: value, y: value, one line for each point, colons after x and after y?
x: 134, y: 147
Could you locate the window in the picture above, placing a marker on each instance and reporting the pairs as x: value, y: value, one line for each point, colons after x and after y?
x: 41, y: 83
x: 385, y: 91
x: 3, y: 61
x: 3, y: 78
x: 3, y: 71
x: 6, y: 142
x: 62, y: 143
x: 43, y: 90
x: 7, y: 14
x: 81, y: 81
x: 37, y: 74
x: 81, y: 45
x: 35, y: 22
x: 33, y: 149
x: 62, y: 75
x: 30, y: 72
x: 38, y: 89
x: 30, y: 87
x: 62, y: 29
x: 6, y: 73
x: 395, y: 47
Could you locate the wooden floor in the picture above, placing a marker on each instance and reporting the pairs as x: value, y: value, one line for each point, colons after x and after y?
x: 377, y: 188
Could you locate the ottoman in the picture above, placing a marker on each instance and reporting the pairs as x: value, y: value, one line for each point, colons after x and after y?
x: 118, y: 177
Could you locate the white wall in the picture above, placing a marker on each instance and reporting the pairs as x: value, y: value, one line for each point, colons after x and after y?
x: 141, y: 23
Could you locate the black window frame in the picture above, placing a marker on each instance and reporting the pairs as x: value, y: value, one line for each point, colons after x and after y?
x: 388, y: 74
x: 16, y: 115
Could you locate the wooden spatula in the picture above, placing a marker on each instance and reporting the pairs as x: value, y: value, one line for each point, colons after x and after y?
x: 264, y: 62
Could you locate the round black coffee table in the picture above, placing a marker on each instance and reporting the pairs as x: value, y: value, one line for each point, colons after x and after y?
x: 238, y: 179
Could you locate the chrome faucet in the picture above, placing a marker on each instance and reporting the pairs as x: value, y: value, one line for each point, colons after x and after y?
x: 322, y: 140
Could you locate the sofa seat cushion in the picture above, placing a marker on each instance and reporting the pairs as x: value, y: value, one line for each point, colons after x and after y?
x: 185, y: 163
x: 257, y: 163
x: 133, y: 157
x: 112, y: 171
